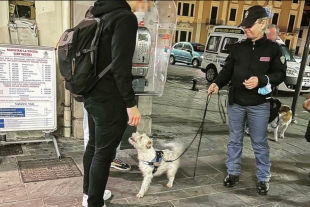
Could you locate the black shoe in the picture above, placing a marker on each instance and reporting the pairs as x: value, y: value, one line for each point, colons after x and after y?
x: 262, y: 187
x: 231, y: 180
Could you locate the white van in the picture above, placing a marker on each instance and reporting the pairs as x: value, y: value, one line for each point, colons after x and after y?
x: 219, y: 44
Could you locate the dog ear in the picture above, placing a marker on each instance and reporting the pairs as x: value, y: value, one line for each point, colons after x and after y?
x: 149, y: 144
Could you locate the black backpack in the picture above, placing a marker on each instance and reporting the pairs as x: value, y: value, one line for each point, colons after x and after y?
x: 77, y: 54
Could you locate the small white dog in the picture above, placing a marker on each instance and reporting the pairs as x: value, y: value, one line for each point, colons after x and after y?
x: 285, y: 118
x: 153, y: 163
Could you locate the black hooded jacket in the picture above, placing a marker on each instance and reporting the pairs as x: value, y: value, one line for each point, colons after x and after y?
x: 247, y: 59
x: 117, y: 45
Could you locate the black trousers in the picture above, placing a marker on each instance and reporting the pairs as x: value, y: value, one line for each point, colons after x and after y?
x: 107, y: 122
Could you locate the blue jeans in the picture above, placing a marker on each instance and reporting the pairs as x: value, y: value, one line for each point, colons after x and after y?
x: 257, y: 117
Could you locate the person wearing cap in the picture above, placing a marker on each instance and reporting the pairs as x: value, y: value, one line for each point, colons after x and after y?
x: 272, y: 32
x: 252, y: 66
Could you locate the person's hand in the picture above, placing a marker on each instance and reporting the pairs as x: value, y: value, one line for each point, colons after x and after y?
x: 213, y: 88
x: 134, y: 116
x: 306, y: 105
x: 251, y: 82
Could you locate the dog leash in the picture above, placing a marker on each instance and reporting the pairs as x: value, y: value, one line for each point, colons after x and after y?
x: 200, y: 129
x: 221, y: 108
x: 201, y: 126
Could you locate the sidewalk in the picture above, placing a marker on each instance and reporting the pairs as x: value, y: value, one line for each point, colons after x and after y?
x: 176, y: 118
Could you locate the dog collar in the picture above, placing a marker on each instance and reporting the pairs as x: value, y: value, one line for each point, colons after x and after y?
x: 155, y: 163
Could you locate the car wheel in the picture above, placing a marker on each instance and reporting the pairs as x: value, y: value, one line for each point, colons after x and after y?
x: 172, y: 60
x: 211, y: 73
x: 195, y: 63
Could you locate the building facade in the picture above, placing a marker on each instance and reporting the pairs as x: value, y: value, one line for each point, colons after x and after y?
x: 41, y: 23
x: 197, y: 18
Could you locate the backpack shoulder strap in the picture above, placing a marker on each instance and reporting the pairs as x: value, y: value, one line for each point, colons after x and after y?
x: 103, y: 17
x: 104, y: 70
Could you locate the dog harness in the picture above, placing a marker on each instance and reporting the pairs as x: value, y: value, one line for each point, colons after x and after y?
x: 155, y: 163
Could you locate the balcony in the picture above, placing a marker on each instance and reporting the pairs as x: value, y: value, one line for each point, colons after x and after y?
x: 294, y: 6
x: 289, y: 30
x: 262, y: 3
x: 186, y: 19
x: 277, y: 3
x: 214, y: 22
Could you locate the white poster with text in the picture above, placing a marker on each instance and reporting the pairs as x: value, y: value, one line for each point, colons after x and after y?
x: 27, y: 88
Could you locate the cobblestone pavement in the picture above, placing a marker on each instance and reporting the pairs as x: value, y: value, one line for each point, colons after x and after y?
x: 176, y: 117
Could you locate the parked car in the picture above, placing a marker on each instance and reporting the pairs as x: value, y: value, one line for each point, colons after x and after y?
x: 297, y: 58
x: 190, y: 53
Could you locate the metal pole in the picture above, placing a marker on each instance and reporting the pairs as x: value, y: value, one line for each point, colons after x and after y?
x: 300, y: 75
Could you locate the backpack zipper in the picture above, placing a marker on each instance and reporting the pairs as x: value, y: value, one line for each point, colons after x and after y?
x: 73, y: 66
x: 67, y: 49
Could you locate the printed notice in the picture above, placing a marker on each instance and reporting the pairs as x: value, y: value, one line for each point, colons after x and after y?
x: 27, y: 88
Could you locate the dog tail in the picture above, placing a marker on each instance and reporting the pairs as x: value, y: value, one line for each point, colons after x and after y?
x: 176, y: 147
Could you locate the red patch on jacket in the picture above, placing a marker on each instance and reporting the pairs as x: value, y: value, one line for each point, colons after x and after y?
x: 264, y: 59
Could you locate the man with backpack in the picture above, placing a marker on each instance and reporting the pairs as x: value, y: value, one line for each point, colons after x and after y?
x: 111, y: 103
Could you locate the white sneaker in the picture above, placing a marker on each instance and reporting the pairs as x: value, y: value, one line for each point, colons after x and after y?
x: 106, y: 196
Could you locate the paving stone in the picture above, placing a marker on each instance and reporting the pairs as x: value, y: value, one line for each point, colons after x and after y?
x: 63, y: 201
x: 302, y: 200
x: 278, y: 193
x: 160, y: 186
x: 148, y: 199
x: 117, y: 202
x: 172, y: 195
x: 9, y: 150
x: 122, y: 188
x: 214, y: 200
x: 271, y: 204
x: 59, y: 187
x: 8, y: 163
x: 302, y: 185
x: 13, y: 193
x: 207, y: 179
x: 77, y: 157
x: 9, y: 179
x: 200, y: 190
x: 163, y: 204
x: 25, y: 203
x: 188, y: 165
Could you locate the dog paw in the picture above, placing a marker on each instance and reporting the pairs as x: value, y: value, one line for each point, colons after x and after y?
x: 275, y: 140
x: 140, y: 195
x: 169, y: 185
x: 281, y: 136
